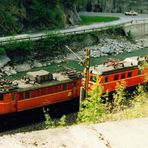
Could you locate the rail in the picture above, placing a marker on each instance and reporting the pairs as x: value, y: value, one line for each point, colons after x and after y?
x: 29, y: 37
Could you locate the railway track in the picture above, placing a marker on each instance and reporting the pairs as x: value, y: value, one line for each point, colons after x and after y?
x: 17, y: 121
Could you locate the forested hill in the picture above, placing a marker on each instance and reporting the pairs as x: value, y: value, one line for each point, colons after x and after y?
x: 18, y: 16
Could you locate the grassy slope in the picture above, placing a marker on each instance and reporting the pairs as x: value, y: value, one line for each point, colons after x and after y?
x: 86, y: 20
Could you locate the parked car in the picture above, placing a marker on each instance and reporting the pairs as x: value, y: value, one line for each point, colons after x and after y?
x: 131, y: 13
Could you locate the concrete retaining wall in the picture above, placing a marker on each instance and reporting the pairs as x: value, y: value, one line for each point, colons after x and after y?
x: 137, y: 27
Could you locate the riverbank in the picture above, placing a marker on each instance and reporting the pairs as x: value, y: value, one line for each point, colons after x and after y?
x: 106, y: 47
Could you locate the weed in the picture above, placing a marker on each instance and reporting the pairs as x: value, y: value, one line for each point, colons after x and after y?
x: 92, y: 108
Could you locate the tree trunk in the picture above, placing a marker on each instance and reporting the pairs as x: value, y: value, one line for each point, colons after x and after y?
x: 76, y: 12
x: 89, y: 6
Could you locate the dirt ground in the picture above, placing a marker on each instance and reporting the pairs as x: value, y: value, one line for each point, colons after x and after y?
x: 118, y: 134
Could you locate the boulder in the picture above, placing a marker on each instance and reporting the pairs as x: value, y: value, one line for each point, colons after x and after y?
x: 37, y: 64
x: 4, y: 59
x: 107, y: 50
x: 22, y: 67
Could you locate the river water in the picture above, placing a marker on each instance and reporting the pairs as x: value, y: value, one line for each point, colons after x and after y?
x: 75, y: 64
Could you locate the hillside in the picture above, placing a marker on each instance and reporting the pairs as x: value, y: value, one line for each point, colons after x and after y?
x: 141, y: 6
x: 31, y: 15
x: 37, y: 15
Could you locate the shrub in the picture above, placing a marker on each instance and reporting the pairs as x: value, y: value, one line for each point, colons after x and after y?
x: 49, y: 123
x: 144, y: 68
x: 52, y: 123
x: 129, y: 36
x: 2, y: 51
x: 119, y: 98
x: 117, y: 101
x: 140, y: 95
x: 92, y: 108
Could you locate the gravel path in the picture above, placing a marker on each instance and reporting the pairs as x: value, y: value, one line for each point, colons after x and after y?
x: 119, y: 134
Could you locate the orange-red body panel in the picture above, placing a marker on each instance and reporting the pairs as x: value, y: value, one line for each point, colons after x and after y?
x: 17, y: 101
x: 110, y: 85
x: 44, y: 100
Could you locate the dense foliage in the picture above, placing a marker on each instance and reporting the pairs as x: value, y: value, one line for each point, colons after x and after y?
x: 17, y: 16
x: 54, y: 44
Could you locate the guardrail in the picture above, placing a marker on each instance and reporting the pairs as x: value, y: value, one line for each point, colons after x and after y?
x: 66, y: 32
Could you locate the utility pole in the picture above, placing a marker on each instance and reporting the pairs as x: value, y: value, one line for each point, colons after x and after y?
x: 84, y: 90
x: 87, y: 65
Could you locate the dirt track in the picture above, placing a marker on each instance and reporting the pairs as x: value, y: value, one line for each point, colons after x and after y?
x: 120, y: 134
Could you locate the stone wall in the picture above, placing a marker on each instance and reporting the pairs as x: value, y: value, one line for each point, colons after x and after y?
x: 140, y: 6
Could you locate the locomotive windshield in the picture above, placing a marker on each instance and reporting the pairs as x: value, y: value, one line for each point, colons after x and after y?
x: 1, y: 96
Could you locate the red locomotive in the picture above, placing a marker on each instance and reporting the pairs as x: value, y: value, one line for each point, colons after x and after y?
x: 38, y: 89
x: 114, y: 71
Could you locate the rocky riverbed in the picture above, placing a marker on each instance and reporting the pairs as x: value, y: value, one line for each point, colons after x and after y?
x: 105, y: 47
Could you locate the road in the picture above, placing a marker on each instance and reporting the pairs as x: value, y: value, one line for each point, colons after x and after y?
x: 125, y: 134
x: 117, y: 134
x: 79, y: 29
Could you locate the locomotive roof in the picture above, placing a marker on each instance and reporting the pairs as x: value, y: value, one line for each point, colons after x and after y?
x: 38, y: 73
x: 114, y: 66
x: 26, y: 87
x: 58, y: 78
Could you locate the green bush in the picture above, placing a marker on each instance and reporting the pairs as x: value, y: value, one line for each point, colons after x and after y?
x: 2, y: 51
x: 119, y: 97
x: 129, y: 36
x: 92, y: 108
x: 19, y: 50
x: 52, y: 123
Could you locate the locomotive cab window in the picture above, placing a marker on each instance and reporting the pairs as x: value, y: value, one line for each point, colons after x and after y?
x: 93, y: 78
x: 129, y: 74
x: 122, y: 75
x: 27, y: 95
x: 1, y: 96
x: 116, y: 77
x: 74, y: 84
x: 21, y: 95
x: 13, y: 96
x: 106, y: 79
x: 64, y: 87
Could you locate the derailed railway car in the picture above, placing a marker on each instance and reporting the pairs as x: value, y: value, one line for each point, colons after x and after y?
x: 38, y: 89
